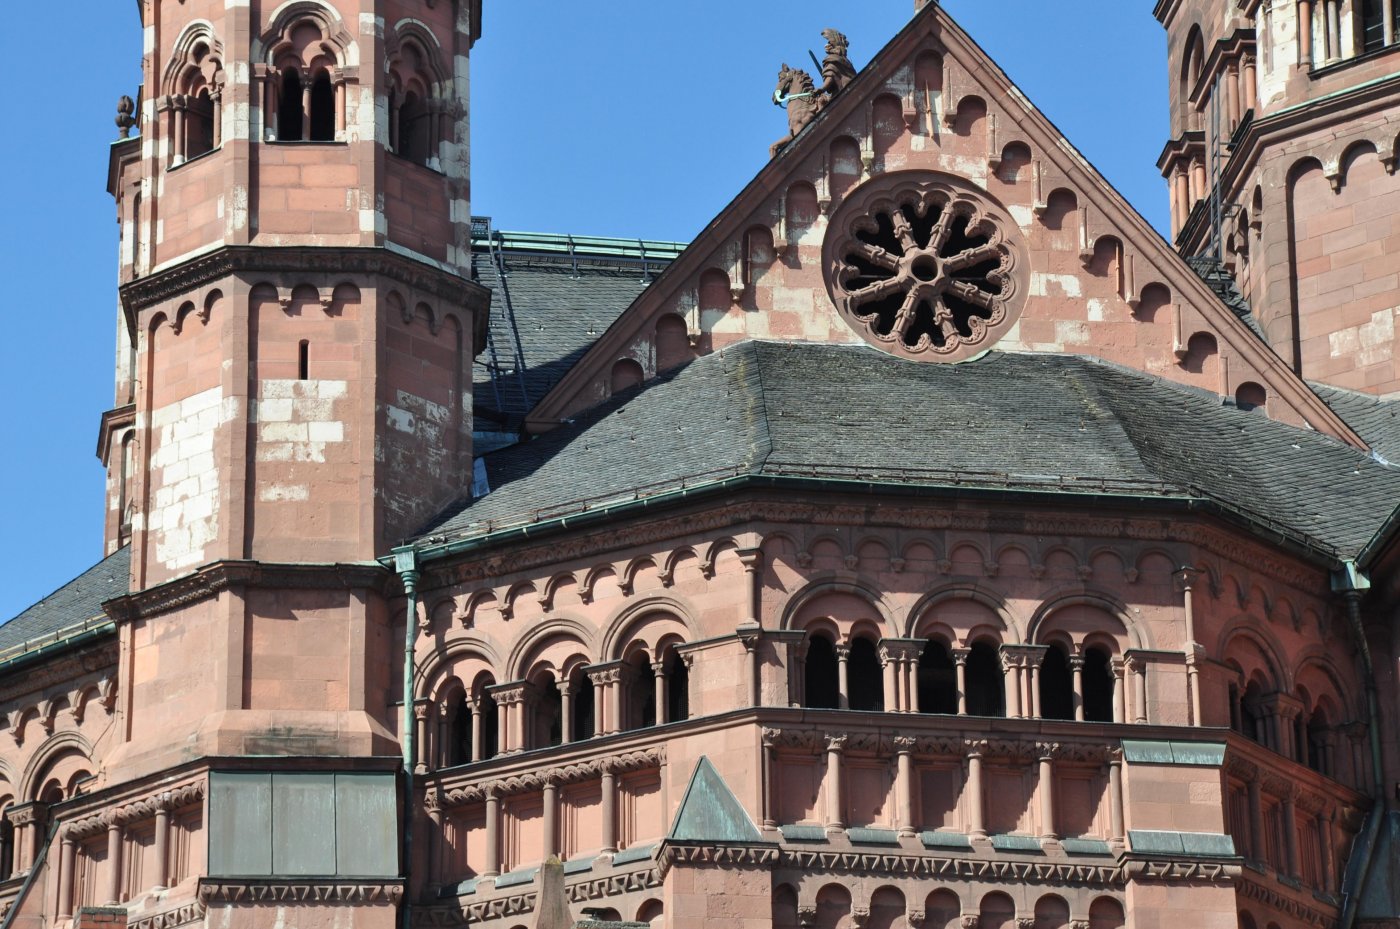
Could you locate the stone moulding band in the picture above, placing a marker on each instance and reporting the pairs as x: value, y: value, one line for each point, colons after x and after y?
x: 384, y: 893
x: 594, y: 888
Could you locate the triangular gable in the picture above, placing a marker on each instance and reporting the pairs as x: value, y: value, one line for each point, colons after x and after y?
x: 1098, y: 280
x: 709, y: 811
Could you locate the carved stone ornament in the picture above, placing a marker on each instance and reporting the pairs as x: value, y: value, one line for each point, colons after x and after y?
x: 924, y: 265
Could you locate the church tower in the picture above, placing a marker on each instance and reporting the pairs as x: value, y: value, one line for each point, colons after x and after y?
x: 297, y: 331
x: 1282, y: 170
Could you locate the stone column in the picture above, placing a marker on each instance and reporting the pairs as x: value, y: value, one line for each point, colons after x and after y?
x: 1137, y: 667
x: 444, y: 748
x: 113, y: 893
x: 269, y: 108
x: 162, y: 848
x: 1256, y: 820
x: 340, y: 110
x: 887, y: 665
x: 566, y: 710
x: 551, y: 818
x: 609, y: 812
x: 1076, y: 667
x: 24, y: 819
x: 1115, y: 798
x: 960, y: 660
x: 1198, y: 179
x: 1251, y: 83
x: 658, y: 674
x: 493, y: 832
x: 1290, y: 831
x: 835, y: 811
x: 1119, y: 700
x: 750, y: 637
x: 1334, y: 29
x: 216, y: 106
x: 177, y: 132
x: 770, y: 779
x: 1045, y: 786
x: 843, y: 655
x: 977, y: 826
x: 1388, y: 16
x: 1305, y: 33
x: 420, y: 726
x: 1324, y: 846
x: 474, y: 707
x: 904, y: 783
x: 66, y: 863
x: 1011, y: 680
x: 305, y: 107
x: 599, y: 680
x: 1232, y: 98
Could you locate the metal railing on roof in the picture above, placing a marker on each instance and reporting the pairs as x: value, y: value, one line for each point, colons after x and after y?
x: 636, y: 251
x: 51, y: 639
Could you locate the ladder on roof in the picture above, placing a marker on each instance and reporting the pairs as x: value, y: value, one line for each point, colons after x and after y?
x: 1214, y: 144
x: 517, y: 353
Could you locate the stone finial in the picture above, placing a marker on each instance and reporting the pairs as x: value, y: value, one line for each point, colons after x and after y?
x: 552, y: 905
x: 126, y: 119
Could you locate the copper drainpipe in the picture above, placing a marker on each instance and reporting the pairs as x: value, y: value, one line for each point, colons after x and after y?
x: 1353, y: 584
x: 406, y: 563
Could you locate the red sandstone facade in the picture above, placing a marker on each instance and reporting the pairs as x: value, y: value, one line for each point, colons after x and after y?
x: 841, y: 702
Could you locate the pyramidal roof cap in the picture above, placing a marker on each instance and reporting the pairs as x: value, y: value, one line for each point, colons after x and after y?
x: 710, y: 812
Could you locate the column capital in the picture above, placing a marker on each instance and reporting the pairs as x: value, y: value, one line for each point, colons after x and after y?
x: 836, y: 742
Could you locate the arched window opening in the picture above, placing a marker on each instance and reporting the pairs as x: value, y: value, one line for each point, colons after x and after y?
x: 199, y: 125
x: 1319, y: 744
x: 458, y: 749
x: 1056, y: 685
x: 581, y: 705
x: 938, y: 680
x: 1236, y: 716
x: 641, y: 689
x: 986, y: 688
x: 1252, y: 714
x: 289, y: 107
x: 414, y: 141
x: 322, y: 108
x: 1098, y: 686
x: 865, y: 677
x: 490, y: 726
x: 819, y: 675
x: 1373, y: 25
x: 549, y: 713
x: 7, y: 844
x: 677, y: 687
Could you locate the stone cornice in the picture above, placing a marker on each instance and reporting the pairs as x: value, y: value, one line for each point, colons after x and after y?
x: 135, y: 811
x: 283, y: 892
x: 113, y: 421
x: 1251, y: 887
x: 230, y: 260
x: 968, y: 867
x: 185, y: 914
x: 1139, y: 868
x: 213, y: 579
x: 510, y: 559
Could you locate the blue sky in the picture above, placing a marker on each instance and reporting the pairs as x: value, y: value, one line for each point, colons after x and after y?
x: 628, y: 118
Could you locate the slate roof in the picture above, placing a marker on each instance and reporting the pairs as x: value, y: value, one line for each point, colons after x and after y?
x: 1046, y: 423
x: 563, y: 292
x: 1223, y: 283
x: 71, y: 608
x: 1376, y: 421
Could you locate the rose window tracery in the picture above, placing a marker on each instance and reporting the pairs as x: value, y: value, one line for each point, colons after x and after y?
x: 925, y: 266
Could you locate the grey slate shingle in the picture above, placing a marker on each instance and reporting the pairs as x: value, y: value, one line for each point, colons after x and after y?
x: 73, y: 604
x: 1018, y: 421
x: 1376, y: 421
x: 558, y: 315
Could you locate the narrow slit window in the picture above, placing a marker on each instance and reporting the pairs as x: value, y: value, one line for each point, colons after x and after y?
x: 304, y: 360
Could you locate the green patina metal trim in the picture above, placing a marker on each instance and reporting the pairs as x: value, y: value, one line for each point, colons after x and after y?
x: 1194, y: 844
x: 1016, y: 843
x: 938, y: 839
x: 709, y: 811
x: 860, y: 835
x: 803, y: 833
x: 1198, y: 754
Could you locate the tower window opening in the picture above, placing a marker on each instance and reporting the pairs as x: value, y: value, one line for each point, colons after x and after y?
x: 1056, y: 685
x: 986, y: 683
x: 414, y: 141
x: 199, y: 125
x: 322, y: 108
x: 1098, y: 686
x: 458, y: 749
x: 819, y: 675
x: 304, y: 361
x: 490, y: 726
x: 641, y: 690
x: 289, y: 107
x: 865, y: 679
x: 1373, y: 25
x: 938, y: 680
x: 677, y: 688
x: 582, y: 723
x: 549, y: 714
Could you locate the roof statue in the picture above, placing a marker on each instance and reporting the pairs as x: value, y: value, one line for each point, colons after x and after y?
x: 837, y: 70
x: 796, y: 92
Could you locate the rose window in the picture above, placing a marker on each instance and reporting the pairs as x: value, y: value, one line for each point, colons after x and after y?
x: 923, y: 265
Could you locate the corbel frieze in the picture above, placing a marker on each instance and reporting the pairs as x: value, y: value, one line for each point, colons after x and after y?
x: 475, y: 911
x: 387, y: 893
x: 1280, y: 902
x: 183, y: 915
x: 528, y: 782
x: 135, y: 811
x: 929, y: 866
x: 1212, y: 872
x: 528, y: 557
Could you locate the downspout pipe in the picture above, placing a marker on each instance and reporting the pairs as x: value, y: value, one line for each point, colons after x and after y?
x: 406, y: 564
x: 1352, y: 584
